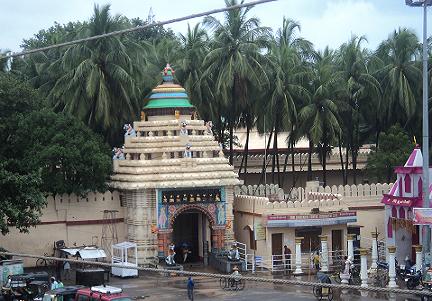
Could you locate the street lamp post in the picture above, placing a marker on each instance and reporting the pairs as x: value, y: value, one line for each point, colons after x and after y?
x: 425, y: 146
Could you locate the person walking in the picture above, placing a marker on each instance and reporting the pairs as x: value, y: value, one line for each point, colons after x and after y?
x: 287, y: 258
x: 190, y: 288
x: 66, y: 270
x: 54, y: 283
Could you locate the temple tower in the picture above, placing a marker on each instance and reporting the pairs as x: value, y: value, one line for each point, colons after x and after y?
x: 177, y: 184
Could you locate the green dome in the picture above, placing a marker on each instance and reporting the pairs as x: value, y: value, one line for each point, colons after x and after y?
x: 168, y: 95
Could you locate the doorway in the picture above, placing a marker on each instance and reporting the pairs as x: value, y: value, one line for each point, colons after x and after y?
x: 191, y: 235
x: 337, y: 240
x: 311, y: 242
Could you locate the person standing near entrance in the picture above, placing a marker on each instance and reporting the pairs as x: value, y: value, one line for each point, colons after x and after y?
x: 316, y: 261
x: 287, y: 258
x: 190, y: 288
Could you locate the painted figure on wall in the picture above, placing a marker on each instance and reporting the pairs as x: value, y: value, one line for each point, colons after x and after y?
x: 221, y: 213
x: 162, y: 218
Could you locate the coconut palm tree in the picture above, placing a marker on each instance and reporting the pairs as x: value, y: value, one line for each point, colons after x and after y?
x: 97, y: 80
x: 399, y: 75
x: 320, y: 117
x: 194, y: 48
x: 359, y: 87
x: 289, y: 55
x: 235, y: 61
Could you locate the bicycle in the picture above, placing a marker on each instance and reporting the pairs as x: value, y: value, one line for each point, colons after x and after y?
x: 232, y: 284
x: 42, y: 262
x: 323, y: 292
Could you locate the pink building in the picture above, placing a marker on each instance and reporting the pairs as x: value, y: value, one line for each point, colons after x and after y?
x: 405, y: 194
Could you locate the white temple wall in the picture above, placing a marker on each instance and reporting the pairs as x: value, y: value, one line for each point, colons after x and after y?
x: 141, y: 216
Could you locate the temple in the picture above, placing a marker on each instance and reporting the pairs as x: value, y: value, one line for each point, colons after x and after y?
x: 404, y: 195
x: 174, y: 178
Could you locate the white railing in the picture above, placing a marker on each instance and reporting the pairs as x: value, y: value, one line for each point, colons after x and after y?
x: 241, y: 247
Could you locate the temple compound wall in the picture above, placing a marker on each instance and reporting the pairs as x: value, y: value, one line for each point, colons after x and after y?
x: 331, y: 211
x: 76, y: 220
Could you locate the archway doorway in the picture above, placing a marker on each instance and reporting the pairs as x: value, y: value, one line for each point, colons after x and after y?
x: 191, y: 235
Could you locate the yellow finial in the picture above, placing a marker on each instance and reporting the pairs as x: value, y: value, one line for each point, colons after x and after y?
x: 415, y: 140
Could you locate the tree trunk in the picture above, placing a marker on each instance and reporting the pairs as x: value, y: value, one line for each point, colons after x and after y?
x: 354, y: 154
x: 247, y: 152
x: 294, y: 180
x: 285, y: 167
x: 231, y: 138
x: 277, y: 159
x: 309, y: 173
x: 274, y: 155
x: 346, y: 164
x: 264, y: 167
x: 324, y: 164
x: 342, y: 161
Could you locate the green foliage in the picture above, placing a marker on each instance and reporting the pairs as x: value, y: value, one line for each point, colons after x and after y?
x: 70, y: 157
x: 393, y: 150
x: 20, y: 197
x: 42, y: 152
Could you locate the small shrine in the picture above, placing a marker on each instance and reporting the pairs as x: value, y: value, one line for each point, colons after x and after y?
x: 404, y: 195
x: 174, y: 179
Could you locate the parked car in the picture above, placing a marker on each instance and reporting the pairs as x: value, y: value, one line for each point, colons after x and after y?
x: 66, y: 293
x: 102, y: 293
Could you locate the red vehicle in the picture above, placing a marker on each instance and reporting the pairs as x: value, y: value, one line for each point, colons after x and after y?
x: 102, y: 293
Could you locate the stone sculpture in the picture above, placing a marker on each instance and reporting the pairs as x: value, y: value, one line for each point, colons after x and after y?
x: 129, y: 130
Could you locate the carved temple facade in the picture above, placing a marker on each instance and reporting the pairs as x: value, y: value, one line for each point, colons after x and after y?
x: 176, y: 182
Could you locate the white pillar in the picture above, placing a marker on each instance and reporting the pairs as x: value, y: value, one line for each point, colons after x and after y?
x: 374, y: 250
x: 298, y: 269
x: 324, y: 253
x: 419, y: 257
x: 392, y: 267
x: 363, y: 267
x: 350, y: 249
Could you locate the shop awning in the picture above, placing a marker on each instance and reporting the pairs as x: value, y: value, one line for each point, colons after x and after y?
x: 422, y: 216
x: 305, y: 220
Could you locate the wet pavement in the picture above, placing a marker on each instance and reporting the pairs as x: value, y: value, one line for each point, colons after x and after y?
x: 154, y: 287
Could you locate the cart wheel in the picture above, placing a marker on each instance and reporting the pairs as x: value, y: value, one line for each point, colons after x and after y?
x: 330, y: 294
x: 41, y: 263
x: 241, y: 285
x: 222, y: 283
x: 317, y: 292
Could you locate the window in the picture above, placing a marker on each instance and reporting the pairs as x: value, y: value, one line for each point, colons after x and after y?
x: 389, y: 229
x: 394, y: 212
x: 252, y: 241
x: 401, y: 212
x: 400, y: 186
x: 407, y: 181
x: 420, y: 187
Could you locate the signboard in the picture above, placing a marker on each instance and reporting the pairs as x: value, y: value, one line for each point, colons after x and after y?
x: 399, y: 201
x: 259, y: 231
x: 319, y: 219
x: 422, y: 216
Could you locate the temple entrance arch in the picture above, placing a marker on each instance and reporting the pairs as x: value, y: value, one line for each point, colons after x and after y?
x: 191, y: 235
x: 194, y: 217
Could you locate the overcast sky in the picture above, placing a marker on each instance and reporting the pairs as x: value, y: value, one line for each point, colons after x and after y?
x: 324, y: 22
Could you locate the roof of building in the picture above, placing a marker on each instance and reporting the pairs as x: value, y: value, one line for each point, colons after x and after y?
x: 171, y: 151
x: 168, y: 94
x: 415, y: 159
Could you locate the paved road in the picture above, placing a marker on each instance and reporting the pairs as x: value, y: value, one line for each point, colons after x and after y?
x: 151, y: 288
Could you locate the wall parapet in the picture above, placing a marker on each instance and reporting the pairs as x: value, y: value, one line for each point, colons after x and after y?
x: 345, y: 192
